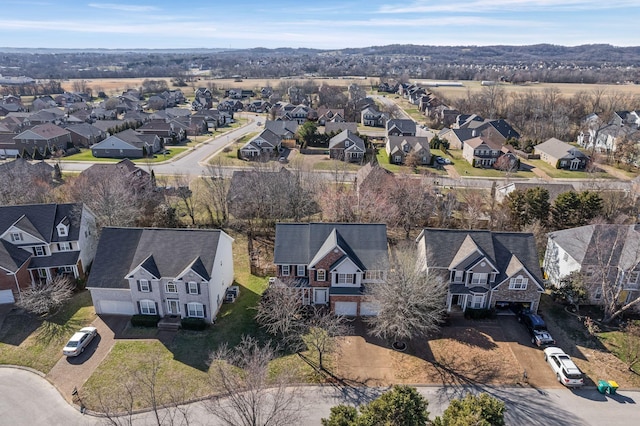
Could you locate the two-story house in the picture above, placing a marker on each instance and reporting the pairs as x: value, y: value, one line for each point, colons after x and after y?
x: 485, y: 149
x: 347, y: 146
x: 152, y: 271
x: 606, y: 255
x: 484, y: 269
x: 401, y: 127
x: 263, y: 145
x: 41, y: 241
x: 332, y: 263
x: 370, y: 116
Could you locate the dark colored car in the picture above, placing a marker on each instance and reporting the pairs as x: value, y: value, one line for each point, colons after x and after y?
x: 540, y: 336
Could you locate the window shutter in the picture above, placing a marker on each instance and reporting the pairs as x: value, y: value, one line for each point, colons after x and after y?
x: 70, y: 246
x: 186, y: 309
x: 139, y: 309
x: 157, y: 311
x: 354, y: 278
x: 34, y: 251
x: 315, y: 275
x: 138, y: 282
x: 198, y: 284
x: 186, y: 287
x: 204, y: 309
x: 58, y: 246
x: 150, y: 288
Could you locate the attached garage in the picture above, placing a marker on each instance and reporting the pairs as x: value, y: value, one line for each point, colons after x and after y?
x: 349, y: 309
x: 368, y: 309
x: 6, y: 296
x: 116, y: 307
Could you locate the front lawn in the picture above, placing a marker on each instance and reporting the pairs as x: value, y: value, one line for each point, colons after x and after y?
x: 383, y: 161
x: 85, y: 155
x: 30, y: 341
x: 565, y: 174
x: 464, y: 168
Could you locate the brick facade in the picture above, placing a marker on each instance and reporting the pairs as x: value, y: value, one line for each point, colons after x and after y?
x: 8, y: 282
x: 530, y: 295
x: 343, y: 298
x: 325, y: 264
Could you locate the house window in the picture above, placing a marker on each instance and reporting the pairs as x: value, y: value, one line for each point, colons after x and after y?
x: 194, y: 288
x: 42, y: 273
x: 598, y: 293
x: 148, y: 307
x: 16, y: 236
x: 171, y: 287
x: 65, y: 246
x: 397, y: 159
x: 633, y: 277
x: 479, y: 278
x: 39, y: 251
x: 285, y: 270
x: 300, y: 271
x: 144, y: 286
x: 321, y: 275
x: 374, y: 275
x: 457, y: 276
x: 345, y: 278
x: 518, y: 283
x: 65, y: 269
x: 565, y: 257
x: 195, y: 310
x: 62, y: 231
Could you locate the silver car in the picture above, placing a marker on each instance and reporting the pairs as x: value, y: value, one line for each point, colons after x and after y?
x: 79, y: 341
x: 567, y: 372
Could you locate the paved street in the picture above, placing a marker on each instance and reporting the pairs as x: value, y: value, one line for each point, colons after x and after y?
x: 28, y: 399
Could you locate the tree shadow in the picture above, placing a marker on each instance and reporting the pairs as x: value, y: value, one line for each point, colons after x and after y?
x: 17, y: 326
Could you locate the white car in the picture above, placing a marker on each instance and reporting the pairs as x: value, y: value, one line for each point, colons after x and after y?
x: 567, y: 372
x: 79, y: 341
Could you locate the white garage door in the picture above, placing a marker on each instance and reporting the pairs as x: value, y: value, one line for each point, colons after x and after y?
x: 368, y: 309
x: 116, y: 307
x: 346, y: 308
x: 6, y: 296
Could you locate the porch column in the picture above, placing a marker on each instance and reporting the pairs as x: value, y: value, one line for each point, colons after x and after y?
x: 449, y: 297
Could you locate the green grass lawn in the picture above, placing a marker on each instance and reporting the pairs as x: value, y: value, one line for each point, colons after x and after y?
x: 330, y: 164
x: 183, y: 364
x: 229, y: 155
x: 464, y: 168
x: 85, y: 155
x: 383, y: 160
x: 37, y: 343
x: 565, y: 174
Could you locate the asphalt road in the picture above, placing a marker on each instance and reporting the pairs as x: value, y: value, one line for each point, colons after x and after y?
x: 28, y: 399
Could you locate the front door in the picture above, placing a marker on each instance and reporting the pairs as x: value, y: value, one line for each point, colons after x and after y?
x: 173, y: 307
x: 320, y: 296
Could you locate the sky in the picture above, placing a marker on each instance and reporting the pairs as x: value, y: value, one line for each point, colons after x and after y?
x: 326, y: 24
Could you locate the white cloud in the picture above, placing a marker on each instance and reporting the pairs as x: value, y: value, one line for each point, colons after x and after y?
x: 483, y: 6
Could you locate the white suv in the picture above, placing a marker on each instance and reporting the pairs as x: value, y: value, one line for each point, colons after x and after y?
x: 567, y: 372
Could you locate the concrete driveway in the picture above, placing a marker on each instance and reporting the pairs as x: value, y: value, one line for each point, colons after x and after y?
x: 70, y: 373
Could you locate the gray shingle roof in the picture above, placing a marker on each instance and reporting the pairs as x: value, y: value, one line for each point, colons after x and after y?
x: 41, y: 219
x: 167, y: 251
x: 558, y: 149
x: 298, y: 243
x: 442, y: 246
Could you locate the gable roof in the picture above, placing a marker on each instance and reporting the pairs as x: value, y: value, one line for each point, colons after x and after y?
x: 298, y: 243
x: 281, y: 127
x: 339, y: 141
x: 11, y: 257
x: 407, y: 144
x: 558, y: 149
x: 443, y: 246
x: 339, y: 126
x: 165, y: 252
x: 41, y: 220
x: 44, y: 131
x: 402, y: 125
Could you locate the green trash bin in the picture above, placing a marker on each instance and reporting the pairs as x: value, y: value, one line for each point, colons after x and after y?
x: 603, y: 386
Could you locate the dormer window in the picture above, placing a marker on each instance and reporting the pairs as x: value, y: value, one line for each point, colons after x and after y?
x: 16, y: 236
x: 63, y: 230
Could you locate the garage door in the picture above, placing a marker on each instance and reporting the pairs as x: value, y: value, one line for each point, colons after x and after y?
x: 349, y: 309
x: 6, y: 296
x: 368, y: 309
x: 116, y: 307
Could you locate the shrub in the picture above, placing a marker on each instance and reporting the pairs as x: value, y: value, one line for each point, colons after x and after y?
x: 197, y: 324
x: 472, y: 313
x: 140, y: 320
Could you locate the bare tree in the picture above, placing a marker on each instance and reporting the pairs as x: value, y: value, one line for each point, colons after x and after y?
x: 217, y: 187
x: 630, y: 345
x: 410, y: 302
x: 250, y: 393
x: 322, y: 329
x: 46, y: 297
x: 414, y: 201
x: 280, y: 312
x: 186, y: 198
x: 23, y: 183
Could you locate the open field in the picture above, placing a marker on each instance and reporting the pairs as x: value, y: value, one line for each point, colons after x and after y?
x: 113, y: 86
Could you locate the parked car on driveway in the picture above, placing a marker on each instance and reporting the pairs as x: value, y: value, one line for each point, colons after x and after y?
x: 79, y: 341
x: 540, y: 336
x: 567, y: 372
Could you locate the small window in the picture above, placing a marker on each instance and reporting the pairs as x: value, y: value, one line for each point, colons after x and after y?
x: 565, y: 257
x: 633, y: 277
x: 39, y: 251
x: 42, y: 273
x: 195, y: 310
x: 16, y: 236
x: 321, y: 275
x: 148, y: 307
x: 144, y: 286
x: 171, y: 287
x: 345, y: 278
x: 300, y: 271
x: 457, y: 277
x: 65, y: 246
x: 62, y: 231
x: 66, y: 269
x: 598, y: 293
x: 193, y: 287
x: 285, y: 270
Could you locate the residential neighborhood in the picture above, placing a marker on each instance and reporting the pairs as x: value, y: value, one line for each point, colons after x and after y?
x: 284, y: 221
